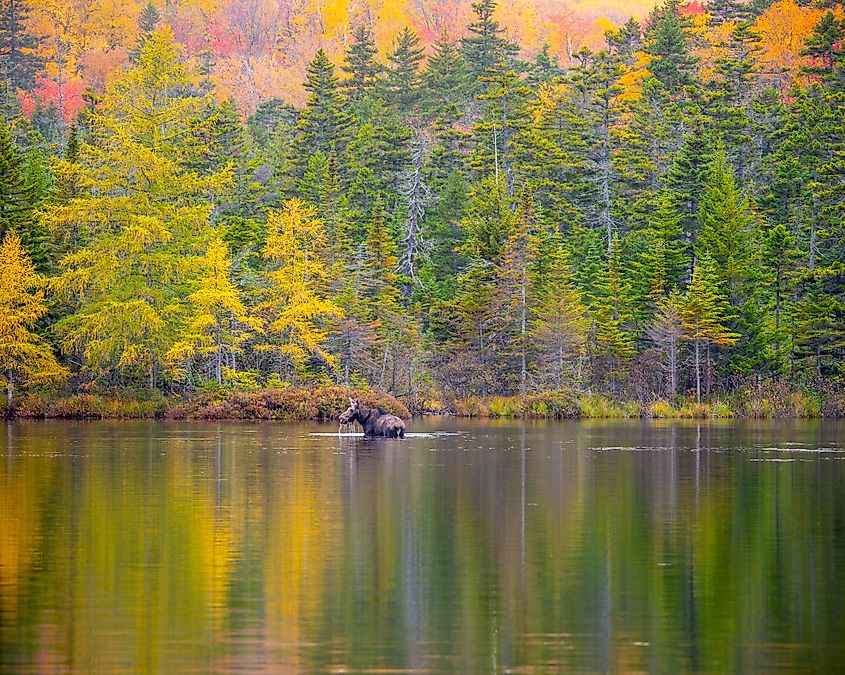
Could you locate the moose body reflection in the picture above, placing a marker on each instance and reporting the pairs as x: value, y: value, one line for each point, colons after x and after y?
x: 375, y: 421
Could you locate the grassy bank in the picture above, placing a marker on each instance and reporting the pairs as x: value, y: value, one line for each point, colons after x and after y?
x: 326, y: 403
x: 323, y: 403
x: 777, y: 403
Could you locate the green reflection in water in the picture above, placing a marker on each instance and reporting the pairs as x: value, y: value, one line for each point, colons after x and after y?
x: 582, y: 546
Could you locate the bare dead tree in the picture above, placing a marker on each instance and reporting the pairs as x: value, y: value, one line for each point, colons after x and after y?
x: 416, y: 195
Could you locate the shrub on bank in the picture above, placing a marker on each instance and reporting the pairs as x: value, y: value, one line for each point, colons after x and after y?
x: 324, y: 403
x: 596, y: 406
x: 90, y: 406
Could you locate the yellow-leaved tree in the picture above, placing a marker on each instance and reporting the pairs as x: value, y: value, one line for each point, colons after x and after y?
x: 296, y: 307
x: 220, y: 322
x: 25, y: 357
x: 138, y: 228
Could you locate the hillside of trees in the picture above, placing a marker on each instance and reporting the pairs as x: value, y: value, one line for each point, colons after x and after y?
x: 659, y: 218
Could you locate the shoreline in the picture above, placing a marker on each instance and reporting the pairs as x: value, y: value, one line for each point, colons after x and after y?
x: 326, y: 403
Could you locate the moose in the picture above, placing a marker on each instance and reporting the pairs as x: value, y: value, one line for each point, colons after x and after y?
x: 376, y: 422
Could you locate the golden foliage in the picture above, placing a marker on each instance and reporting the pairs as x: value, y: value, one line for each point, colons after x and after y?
x: 25, y: 356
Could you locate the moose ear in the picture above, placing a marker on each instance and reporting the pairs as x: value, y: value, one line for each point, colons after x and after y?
x: 351, y: 401
x: 357, y: 402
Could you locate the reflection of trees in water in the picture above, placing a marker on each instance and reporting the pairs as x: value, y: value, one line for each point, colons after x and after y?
x: 592, y: 546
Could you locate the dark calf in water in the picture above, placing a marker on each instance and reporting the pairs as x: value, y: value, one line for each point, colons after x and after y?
x: 376, y: 422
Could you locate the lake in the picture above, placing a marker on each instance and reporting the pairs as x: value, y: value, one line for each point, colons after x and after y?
x: 471, y: 546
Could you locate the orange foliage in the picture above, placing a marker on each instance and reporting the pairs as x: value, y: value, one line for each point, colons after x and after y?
x: 783, y: 28
x: 259, y: 49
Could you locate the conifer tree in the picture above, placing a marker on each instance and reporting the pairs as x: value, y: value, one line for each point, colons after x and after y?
x: 362, y: 66
x: 20, y: 181
x: 666, y: 333
x: 296, y: 308
x: 661, y: 264
x: 514, y: 293
x: 666, y: 39
x: 559, y: 329
x: 687, y: 177
x: 147, y: 21
x: 219, y: 322
x: 20, y: 61
x: 485, y: 47
x: 446, y: 81
x: 324, y: 122
x: 727, y: 228
x: 612, y: 341
x: 140, y: 227
x: 402, y: 79
x: 25, y: 357
x: 704, y: 315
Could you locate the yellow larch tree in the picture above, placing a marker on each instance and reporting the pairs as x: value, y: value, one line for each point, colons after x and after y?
x: 297, y: 311
x: 139, y: 226
x: 25, y: 357
x: 220, y: 322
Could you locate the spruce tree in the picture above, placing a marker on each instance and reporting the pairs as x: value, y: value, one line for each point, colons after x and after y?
x: 704, y: 315
x: 667, y: 40
x: 362, y: 66
x: 660, y: 265
x: 147, y: 21
x: 20, y: 182
x: 484, y: 47
x: 20, y: 62
x: 446, y: 81
x: 324, y: 122
x: 402, y: 79
x: 560, y: 325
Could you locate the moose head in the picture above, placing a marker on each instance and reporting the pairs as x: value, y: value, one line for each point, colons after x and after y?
x: 351, y: 413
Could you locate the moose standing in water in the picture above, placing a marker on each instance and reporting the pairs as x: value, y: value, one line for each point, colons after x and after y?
x: 376, y: 422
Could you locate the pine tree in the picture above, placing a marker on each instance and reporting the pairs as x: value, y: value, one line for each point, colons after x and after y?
x: 666, y: 333
x: 25, y: 357
x: 323, y: 123
x: 219, y: 322
x: 446, y: 81
x: 362, y: 66
x: 19, y: 185
x: 666, y: 39
x: 704, y: 314
x: 402, y: 79
x: 661, y: 263
x: 484, y: 47
x: 140, y: 227
x: 20, y: 62
x: 296, y: 308
x: 147, y: 21
x: 559, y: 329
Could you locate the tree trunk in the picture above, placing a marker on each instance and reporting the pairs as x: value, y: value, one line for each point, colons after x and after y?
x: 673, y: 369
x: 523, y: 375
x: 697, y: 370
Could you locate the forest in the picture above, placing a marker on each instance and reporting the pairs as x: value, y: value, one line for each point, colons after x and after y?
x: 655, y: 218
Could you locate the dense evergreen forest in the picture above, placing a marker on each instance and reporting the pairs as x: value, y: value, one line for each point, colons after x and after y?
x: 657, y: 219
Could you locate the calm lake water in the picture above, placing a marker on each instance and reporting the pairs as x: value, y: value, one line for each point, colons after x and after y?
x: 468, y: 547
